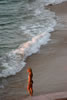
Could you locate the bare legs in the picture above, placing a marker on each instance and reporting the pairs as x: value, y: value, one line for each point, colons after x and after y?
x: 30, y: 90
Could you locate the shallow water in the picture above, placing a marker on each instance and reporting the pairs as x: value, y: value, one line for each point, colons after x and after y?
x: 12, y: 43
x: 24, y: 27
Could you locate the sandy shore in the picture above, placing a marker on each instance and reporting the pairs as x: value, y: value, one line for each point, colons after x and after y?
x: 49, y: 66
x: 51, y: 96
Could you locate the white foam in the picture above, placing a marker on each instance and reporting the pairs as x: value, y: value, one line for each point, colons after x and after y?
x: 16, y: 58
x: 11, y: 67
x: 33, y: 46
x: 47, y: 2
x: 14, y: 61
x: 59, y: 1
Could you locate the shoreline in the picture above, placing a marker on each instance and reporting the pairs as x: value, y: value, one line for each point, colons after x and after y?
x: 50, y: 96
x: 49, y: 65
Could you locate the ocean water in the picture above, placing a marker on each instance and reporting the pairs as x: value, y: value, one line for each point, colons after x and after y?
x: 25, y: 25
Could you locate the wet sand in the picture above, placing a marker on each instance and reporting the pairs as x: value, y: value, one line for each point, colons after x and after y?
x: 49, y: 65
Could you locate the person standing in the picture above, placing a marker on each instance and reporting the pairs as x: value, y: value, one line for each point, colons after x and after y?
x: 30, y: 82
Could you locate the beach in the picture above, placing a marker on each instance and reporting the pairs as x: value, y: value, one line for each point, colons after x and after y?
x: 49, y: 65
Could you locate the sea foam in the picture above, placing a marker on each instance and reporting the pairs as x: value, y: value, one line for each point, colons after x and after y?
x: 14, y: 61
x: 47, y: 2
